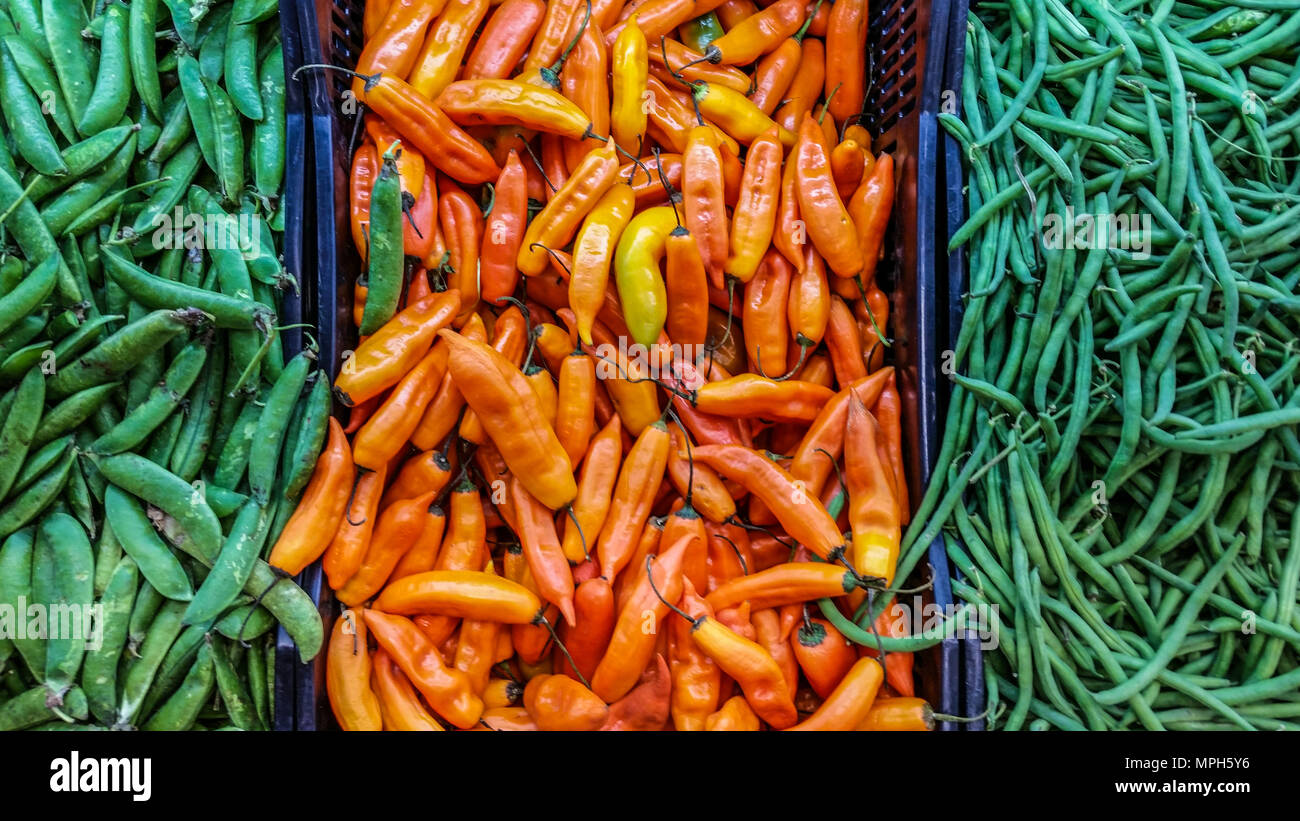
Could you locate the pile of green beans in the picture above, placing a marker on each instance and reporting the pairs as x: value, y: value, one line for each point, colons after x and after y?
x: 1120, y: 469
x: 154, y: 438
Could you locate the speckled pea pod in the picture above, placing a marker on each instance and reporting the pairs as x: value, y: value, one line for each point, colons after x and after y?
x: 197, y: 530
x: 182, y: 709
x: 99, y: 673
x: 74, y: 591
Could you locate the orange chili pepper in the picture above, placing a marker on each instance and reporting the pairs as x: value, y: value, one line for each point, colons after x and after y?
x: 424, y: 125
x: 445, y: 46
x: 774, y: 74
x: 686, y: 522
x: 345, y: 553
x: 805, y: 519
x: 465, y: 594
x: 385, y: 356
x: 504, y: 231
x: 806, y: 87
x: 554, y: 168
x: 808, y: 307
x: 625, y: 378
x: 870, y: 208
x: 824, y: 655
x: 735, y: 114
x: 593, y: 251
x: 386, y: 432
x: 646, y: 183
x: 421, y: 473
x: 698, y: 483
x: 746, y: 661
x: 729, y: 554
x: 820, y: 207
x: 754, y: 218
x: 507, y: 719
x: 398, y: 528
x: 398, y: 702
x: 733, y: 12
x: 511, y: 414
x: 647, y: 545
x: 899, y: 714
x: 605, y: 13
x: 670, y: 59
x: 540, y: 380
x: 447, y: 690
x: 365, y: 170
x: 559, y: 24
x: 585, y: 82
x: 892, y: 622
x: 347, y: 676
x: 444, y: 411
x: 767, y: 626
x: 510, y: 102
x: 844, y: 344
x: 373, y: 17
x: 638, y: 482
x: 423, y: 555
x: 360, y: 412
x: 647, y: 706
x: 631, y: 647
x: 555, y: 345
x: 595, y: 486
x: 686, y: 283
x: 556, y: 224
x: 561, y: 703
x: 870, y: 321
x: 758, y: 34
x: 410, y: 163
x: 817, y: 371
x: 476, y: 647
x: 791, y: 233
x: 586, y: 640
x: 849, y: 705
x: 753, y: 396
x: 575, y: 413
x: 462, y: 226
x: 312, y: 526
x: 504, y: 40
x: 782, y: 584
x: 394, y: 46
x: 847, y: 164
x: 735, y: 715
x: 696, y: 679
x: 536, y: 531
x: 465, y: 547
x: 846, y: 45
x: 763, y: 313
x: 510, y: 339
x: 501, y: 692
x: 630, y: 67
x: 888, y: 412
x: 420, y: 229
x: 658, y: 18
x: 873, y: 510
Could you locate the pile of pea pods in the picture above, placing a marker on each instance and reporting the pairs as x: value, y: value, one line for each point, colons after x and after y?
x: 155, y: 435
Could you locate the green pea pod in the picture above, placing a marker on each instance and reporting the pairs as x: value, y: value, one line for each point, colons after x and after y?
x: 234, y: 695
x: 182, y: 709
x: 112, y: 358
x: 176, y: 177
x: 384, y: 273
x: 63, y: 24
x: 26, y: 121
x: 199, y: 106
x: 273, y: 361
x: 162, y: 402
x: 230, y: 572
x: 16, y: 555
x: 17, y: 337
x: 290, y: 605
x: 259, y: 249
x: 240, y: 54
x: 315, y: 424
x: 197, y: 531
x: 255, y: 665
x: 233, y: 459
x: 196, y: 434
x: 60, y: 212
x: 147, y: 603
x: 27, y: 21
x: 39, y: 462
x: 237, y: 313
x: 254, y: 11
x: 224, y: 502
x: 212, y: 48
x: 99, y: 671
x: 148, y: 372
x: 162, y: 633
x: 76, y: 495
x: 26, y: 505
x: 82, y: 339
x: 269, y: 133
x: 246, y: 349
x: 269, y: 439
x: 245, y: 622
x: 35, y: 69
x: 157, y: 563
x: 71, y: 412
x: 24, y: 359
x: 107, y: 554
x: 31, y: 709
x: 64, y: 323
x: 229, y: 138
x: 186, y: 15
x: 30, y: 293
x: 74, y: 594
x: 106, y: 210
x: 33, y: 236
x: 12, y: 271
x: 142, y: 49
x: 19, y: 426
x: 112, y: 89
x: 233, y: 404
x: 175, y: 665
x: 176, y: 128
x: 163, y: 441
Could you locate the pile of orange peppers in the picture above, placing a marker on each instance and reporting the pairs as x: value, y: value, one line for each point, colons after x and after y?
x: 566, y: 500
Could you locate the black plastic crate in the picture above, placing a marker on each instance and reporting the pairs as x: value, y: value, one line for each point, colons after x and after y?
x: 905, y: 78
